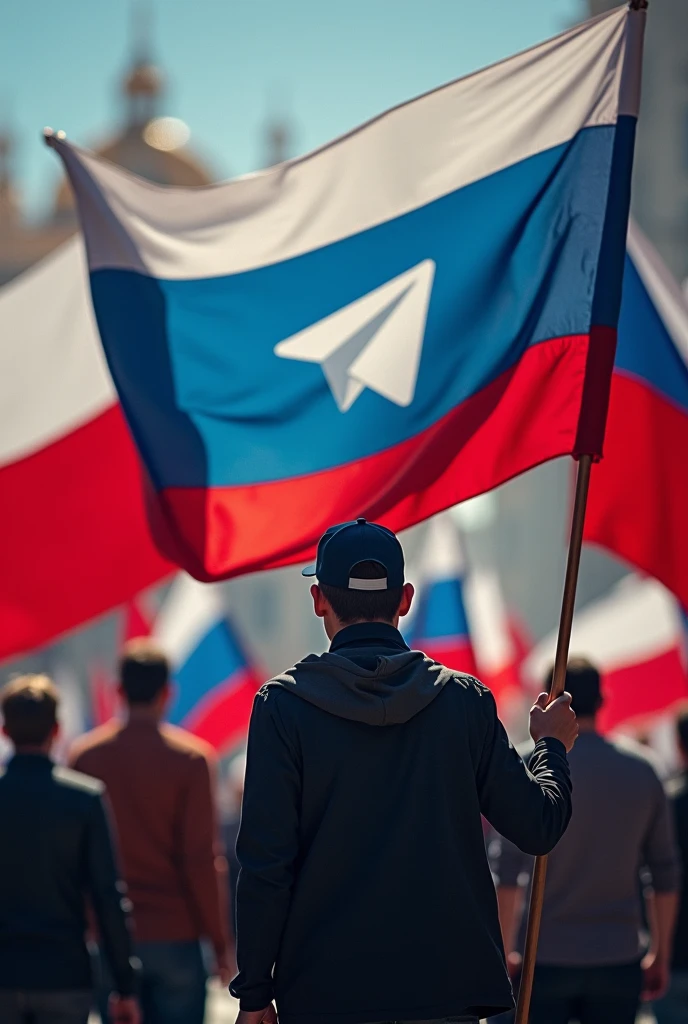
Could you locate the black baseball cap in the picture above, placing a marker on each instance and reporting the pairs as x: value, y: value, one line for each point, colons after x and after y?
x: 341, y: 547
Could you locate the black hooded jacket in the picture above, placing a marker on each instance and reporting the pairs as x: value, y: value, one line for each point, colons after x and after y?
x: 364, y: 892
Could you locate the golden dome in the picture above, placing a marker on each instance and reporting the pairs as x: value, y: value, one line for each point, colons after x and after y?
x: 149, y: 146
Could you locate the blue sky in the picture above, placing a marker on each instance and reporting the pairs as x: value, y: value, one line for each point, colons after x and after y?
x: 230, y: 64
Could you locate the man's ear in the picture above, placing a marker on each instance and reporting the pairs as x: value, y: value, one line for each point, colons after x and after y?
x: 406, y: 599
x: 320, y: 603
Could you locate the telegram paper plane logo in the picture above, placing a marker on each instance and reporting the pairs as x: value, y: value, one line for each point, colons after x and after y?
x: 374, y: 342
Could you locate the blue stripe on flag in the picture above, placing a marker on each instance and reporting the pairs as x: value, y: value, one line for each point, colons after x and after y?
x: 441, y: 613
x: 516, y: 263
x: 644, y: 347
x: 214, y: 661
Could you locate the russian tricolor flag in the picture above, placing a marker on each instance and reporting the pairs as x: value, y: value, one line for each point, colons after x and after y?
x: 402, y: 319
x: 214, y: 681
x: 461, y: 619
x: 638, y: 502
x: 440, y: 623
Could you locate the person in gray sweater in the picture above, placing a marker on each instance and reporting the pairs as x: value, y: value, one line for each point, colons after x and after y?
x: 589, y: 954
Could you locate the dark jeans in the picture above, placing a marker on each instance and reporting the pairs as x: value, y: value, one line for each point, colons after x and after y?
x: 590, y: 995
x: 171, y: 984
x: 70, y: 1007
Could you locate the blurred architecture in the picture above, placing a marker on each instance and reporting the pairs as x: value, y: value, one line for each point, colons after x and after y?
x: 146, y: 144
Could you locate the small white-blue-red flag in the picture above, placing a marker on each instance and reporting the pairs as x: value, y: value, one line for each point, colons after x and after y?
x: 214, y: 679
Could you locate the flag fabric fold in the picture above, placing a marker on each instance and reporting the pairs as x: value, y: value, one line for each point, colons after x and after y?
x: 75, y: 539
x: 402, y: 319
x: 214, y: 679
x: 638, y: 501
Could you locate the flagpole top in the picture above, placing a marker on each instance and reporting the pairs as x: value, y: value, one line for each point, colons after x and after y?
x: 638, y: 5
x: 50, y: 136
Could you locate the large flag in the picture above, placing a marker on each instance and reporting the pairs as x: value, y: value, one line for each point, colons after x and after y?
x: 461, y: 617
x: 404, y: 318
x: 635, y: 635
x: 75, y: 541
x: 638, y: 503
x: 213, y: 675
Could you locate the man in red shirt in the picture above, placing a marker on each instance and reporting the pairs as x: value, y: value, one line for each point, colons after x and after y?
x: 160, y: 781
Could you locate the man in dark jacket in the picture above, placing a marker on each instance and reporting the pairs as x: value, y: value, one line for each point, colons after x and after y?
x: 364, y: 893
x: 56, y: 853
x: 673, y: 1008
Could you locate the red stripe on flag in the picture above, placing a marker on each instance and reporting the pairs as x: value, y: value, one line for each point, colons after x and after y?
x: 456, y: 655
x: 638, y: 501
x: 526, y: 416
x: 75, y: 538
x: 222, y: 717
x: 633, y: 694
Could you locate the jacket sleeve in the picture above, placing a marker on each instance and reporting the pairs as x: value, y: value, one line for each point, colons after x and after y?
x: 203, y: 865
x: 108, y: 898
x: 267, y: 849
x: 530, y: 806
x: 660, y: 850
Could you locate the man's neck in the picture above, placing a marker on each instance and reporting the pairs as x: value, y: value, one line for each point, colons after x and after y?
x: 144, y: 713
x: 336, y: 626
x: 37, y: 750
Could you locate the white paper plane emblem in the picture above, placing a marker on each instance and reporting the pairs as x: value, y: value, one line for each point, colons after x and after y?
x: 374, y: 342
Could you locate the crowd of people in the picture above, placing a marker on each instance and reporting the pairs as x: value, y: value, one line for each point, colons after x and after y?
x: 365, y: 884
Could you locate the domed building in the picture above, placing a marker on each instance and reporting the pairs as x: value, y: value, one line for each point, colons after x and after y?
x: 148, y: 144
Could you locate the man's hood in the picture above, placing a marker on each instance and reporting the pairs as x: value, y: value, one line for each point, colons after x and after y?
x: 391, y: 693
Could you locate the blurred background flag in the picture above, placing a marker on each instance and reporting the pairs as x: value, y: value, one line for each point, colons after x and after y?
x: 384, y: 327
x: 440, y: 623
x: 501, y: 642
x: 638, y: 503
x: 635, y: 635
x: 214, y: 678
x: 461, y: 617
x: 75, y: 538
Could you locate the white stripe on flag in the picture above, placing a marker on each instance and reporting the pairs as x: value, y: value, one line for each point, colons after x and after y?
x: 191, y: 609
x: 396, y: 163
x: 53, y: 374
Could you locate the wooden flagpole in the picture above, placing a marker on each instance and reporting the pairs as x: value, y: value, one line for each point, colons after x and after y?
x: 556, y: 689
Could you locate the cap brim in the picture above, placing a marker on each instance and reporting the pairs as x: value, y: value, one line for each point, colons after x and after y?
x: 309, y: 570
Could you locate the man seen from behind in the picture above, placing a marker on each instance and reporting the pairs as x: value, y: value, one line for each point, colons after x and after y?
x: 364, y: 892
x: 56, y: 854
x: 673, y: 1008
x: 161, y: 783
x: 591, y: 944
